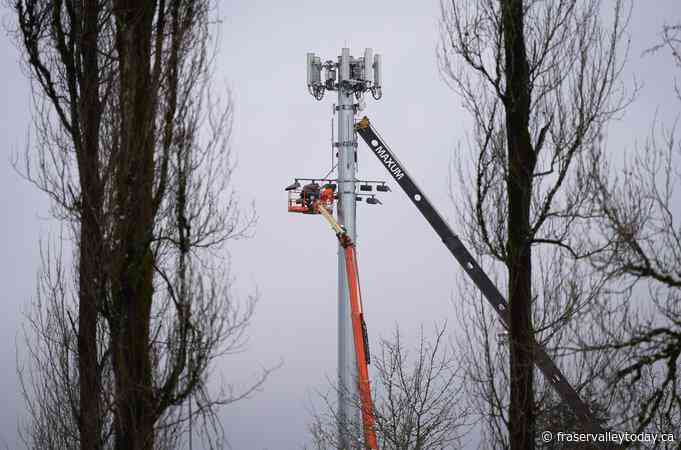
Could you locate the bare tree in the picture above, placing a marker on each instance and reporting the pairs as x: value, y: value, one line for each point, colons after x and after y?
x: 133, y: 150
x: 418, y: 398
x: 540, y: 80
x: 483, y: 346
x: 639, y: 238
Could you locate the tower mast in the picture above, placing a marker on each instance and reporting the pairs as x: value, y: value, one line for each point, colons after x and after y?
x: 351, y: 78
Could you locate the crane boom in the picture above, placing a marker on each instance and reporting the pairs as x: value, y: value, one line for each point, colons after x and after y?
x: 358, y: 328
x: 456, y: 247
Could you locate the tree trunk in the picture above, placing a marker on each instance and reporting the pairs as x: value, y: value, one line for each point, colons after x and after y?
x: 133, y: 283
x: 521, y: 161
x: 91, y: 276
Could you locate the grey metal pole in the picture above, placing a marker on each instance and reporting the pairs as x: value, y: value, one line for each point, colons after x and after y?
x: 347, y: 145
x: 350, y: 77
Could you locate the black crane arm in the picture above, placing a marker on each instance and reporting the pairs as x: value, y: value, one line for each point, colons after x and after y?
x: 456, y: 247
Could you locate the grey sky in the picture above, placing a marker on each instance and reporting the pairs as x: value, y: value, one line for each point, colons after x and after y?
x: 281, y: 132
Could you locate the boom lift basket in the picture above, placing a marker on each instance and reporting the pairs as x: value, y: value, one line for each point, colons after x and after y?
x: 305, y: 199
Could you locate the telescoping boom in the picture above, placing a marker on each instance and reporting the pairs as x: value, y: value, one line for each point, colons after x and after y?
x: 455, y: 246
x: 315, y: 199
x: 358, y: 329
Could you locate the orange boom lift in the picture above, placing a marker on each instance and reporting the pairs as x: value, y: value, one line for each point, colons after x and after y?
x: 315, y: 200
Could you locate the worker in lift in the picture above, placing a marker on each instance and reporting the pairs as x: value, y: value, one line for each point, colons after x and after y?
x: 310, y: 195
x: 327, y: 194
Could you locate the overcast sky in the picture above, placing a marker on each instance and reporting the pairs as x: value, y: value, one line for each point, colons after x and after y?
x: 281, y: 132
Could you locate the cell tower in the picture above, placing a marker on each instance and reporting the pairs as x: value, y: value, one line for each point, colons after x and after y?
x: 351, y: 78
